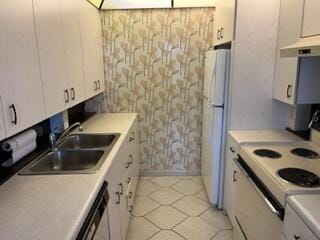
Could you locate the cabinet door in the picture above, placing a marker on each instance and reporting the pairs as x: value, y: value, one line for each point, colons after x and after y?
x: 192, y: 3
x: 294, y: 228
x: 286, y: 72
x: 135, y: 149
x: 124, y: 215
x: 73, y: 50
x: 114, y: 209
x: 224, y: 21
x: 128, y: 4
x: 52, y: 56
x: 91, y: 35
x: 21, y: 89
x: 311, y: 18
x: 114, y: 177
x: 2, y: 127
x: 231, y: 170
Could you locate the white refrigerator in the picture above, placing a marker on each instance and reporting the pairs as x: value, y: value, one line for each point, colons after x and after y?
x: 215, y: 96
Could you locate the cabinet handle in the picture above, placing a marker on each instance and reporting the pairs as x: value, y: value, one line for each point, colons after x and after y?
x: 131, y: 159
x: 132, y: 137
x: 289, y: 88
x: 218, y: 34
x: 296, y: 237
x: 234, y: 176
x: 221, y: 32
x: 95, y: 86
x: 129, y: 180
x: 98, y: 84
x: 232, y: 150
x: 14, y: 111
x: 121, y: 188
x: 66, y: 95
x: 119, y: 198
x: 130, y: 195
x: 130, y: 208
x: 73, y: 94
x: 130, y: 162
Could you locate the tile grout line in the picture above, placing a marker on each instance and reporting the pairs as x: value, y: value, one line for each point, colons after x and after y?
x: 186, y: 215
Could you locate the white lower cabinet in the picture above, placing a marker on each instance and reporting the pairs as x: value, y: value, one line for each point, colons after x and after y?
x: 294, y: 227
x: 122, y: 180
x: 231, y: 170
x: 114, y: 204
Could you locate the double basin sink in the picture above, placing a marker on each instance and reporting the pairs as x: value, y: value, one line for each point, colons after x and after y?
x: 78, y: 153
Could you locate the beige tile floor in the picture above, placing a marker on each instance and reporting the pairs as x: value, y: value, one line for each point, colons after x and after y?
x: 176, y: 208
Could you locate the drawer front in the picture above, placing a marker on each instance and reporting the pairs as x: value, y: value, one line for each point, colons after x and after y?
x: 294, y: 228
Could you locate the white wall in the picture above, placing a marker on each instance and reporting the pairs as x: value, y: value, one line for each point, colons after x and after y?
x: 254, y: 54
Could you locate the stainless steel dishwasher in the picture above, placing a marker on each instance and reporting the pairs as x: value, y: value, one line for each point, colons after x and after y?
x: 96, y: 225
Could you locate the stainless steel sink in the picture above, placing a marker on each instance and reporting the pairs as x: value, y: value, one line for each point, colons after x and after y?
x: 88, y: 141
x: 76, y: 154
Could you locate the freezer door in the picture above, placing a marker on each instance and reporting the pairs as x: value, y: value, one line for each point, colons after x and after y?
x: 209, y: 71
x: 217, y: 88
x: 211, y: 149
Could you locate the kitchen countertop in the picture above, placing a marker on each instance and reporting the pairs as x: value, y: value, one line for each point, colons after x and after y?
x: 55, y: 206
x: 248, y: 136
x: 307, y: 207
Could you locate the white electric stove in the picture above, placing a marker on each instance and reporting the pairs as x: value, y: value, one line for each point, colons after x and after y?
x: 270, y: 172
x: 285, y: 168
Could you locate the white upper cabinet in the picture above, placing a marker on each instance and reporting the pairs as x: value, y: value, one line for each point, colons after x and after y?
x: 73, y: 50
x: 92, y: 48
x: 287, y: 69
x: 224, y: 21
x: 295, y: 79
x: 311, y: 18
x: 131, y: 4
x: 21, y: 89
x: 193, y: 3
x: 52, y: 55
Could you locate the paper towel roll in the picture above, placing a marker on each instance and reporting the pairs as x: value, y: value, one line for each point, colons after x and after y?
x: 16, y: 156
x: 18, y: 142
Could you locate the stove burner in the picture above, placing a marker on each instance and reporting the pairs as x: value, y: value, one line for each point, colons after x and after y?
x: 299, y: 177
x: 267, y: 153
x: 306, y: 153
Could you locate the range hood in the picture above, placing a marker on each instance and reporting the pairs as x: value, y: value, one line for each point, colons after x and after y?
x: 304, y: 47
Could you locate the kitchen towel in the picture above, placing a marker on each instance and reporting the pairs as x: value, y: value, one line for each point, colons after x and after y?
x: 20, y: 141
x: 17, y: 155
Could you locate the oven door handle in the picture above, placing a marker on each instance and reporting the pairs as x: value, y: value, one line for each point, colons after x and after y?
x: 244, y: 172
x: 266, y: 200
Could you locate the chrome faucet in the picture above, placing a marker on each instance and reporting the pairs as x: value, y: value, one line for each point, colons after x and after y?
x: 54, y: 141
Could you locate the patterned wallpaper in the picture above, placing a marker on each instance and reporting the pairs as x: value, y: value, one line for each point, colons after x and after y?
x: 154, y: 62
